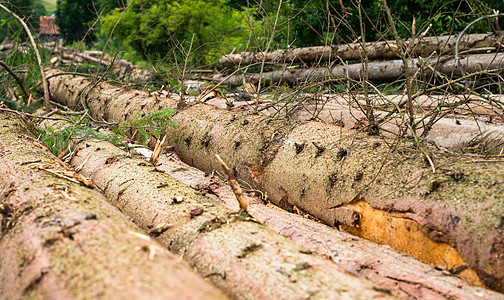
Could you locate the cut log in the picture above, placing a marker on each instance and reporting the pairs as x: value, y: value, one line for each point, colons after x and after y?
x: 342, y: 166
x: 437, y: 45
x: 404, y: 275
x: 59, y: 240
x: 383, y: 71
x: 244, y: 258
x: 470, y: 126
x: 318, y: 167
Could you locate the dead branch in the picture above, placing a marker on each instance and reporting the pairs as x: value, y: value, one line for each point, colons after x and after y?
x: 237, y: 190
x: 37, y: 54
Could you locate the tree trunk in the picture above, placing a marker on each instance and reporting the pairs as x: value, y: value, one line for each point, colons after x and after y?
x: 382, y: 71
x: 242, y: 257
x: 465, y: 125
x: 59, y: 240
x: 325, y: 170
x: 404, y: 275
x: 424, y: 47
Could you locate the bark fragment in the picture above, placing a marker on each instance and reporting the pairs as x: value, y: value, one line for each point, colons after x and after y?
x: 59, y: 240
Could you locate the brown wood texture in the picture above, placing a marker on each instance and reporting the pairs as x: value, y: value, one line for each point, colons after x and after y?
x: 60, y: 240
x: 404, y: 275
x: 242, y: 257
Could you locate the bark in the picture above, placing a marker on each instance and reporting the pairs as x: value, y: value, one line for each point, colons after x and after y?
x: 243, y: 258
x: 382, y: 71
x: 404, y: 275
x: 59, y: 241
x: 318, y: 168
x: 425, y: 47
x: 470, y: 125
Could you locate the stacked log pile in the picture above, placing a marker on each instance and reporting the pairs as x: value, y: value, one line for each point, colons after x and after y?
x: 424, y: 55
x: 374, y: 187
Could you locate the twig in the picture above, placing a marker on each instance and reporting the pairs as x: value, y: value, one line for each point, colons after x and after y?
x: 37, y: 54
x: 33, y: 116
x: 237, y: 190
x: 19, y: 81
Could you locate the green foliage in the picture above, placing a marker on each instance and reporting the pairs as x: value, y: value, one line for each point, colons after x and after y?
x: 156, y: 28
x: 74, y: 17
x: 59, y: 139
x: 154, y: 124
x: 29, y: 10
x: 339, y: 22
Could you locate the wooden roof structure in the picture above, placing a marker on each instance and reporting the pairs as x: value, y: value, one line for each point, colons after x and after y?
x: 47, y: 26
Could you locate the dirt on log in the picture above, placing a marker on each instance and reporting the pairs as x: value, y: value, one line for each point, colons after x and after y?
x: 322, y: 168
x: 424, y: 47
x: 382, y: 71
x: 242, y: 257
x: 404, y: 275
x: 59, y: 239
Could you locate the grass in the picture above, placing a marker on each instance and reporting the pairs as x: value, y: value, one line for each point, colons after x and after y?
x: 50, y: 6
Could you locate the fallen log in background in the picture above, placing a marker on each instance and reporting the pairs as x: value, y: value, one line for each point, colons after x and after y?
x: 383, y: 71
x: 403, y: 275
x: 425, y: 47
x: 324, y: 169
x: 471, y: 124
x: 59, y: 241
x: 243, y: 258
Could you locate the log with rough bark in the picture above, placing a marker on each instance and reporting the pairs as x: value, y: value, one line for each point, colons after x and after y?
x: 471, y: 126
x: 382, y: 71
x: 404, y: 275
x: 242, y: 257
x: 437, y: 45
x: 59, y: 239
x: 329, y: 171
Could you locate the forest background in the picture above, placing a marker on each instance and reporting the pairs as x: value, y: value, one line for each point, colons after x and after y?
x: 146, y: 31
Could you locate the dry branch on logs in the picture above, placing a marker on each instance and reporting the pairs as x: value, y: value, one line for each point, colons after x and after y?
x: 318, y: 167
x: 383, y: 71
x: 37, y: 55
x: 425, y: 47
x: 59, y: 241
x: 243, y: 258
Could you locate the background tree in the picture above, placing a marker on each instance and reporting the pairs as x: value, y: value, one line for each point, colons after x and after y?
x: 154, y: 28
x: 74, y: 17
x: 30, y: 10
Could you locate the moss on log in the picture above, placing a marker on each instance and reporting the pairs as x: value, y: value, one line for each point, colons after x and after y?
x: 59, y: 239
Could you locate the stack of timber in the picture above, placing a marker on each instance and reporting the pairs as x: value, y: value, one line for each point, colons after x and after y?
x: 442, y: 209
x: 60, y: 240
x: 424, y: 56
x: 69, y: 56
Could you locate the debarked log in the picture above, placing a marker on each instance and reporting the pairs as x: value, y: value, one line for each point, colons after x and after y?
x: 242, y: 257
x: 425, y: 46
x: 318, y: 167
x: 59, y: 239
x: 382, y: 71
